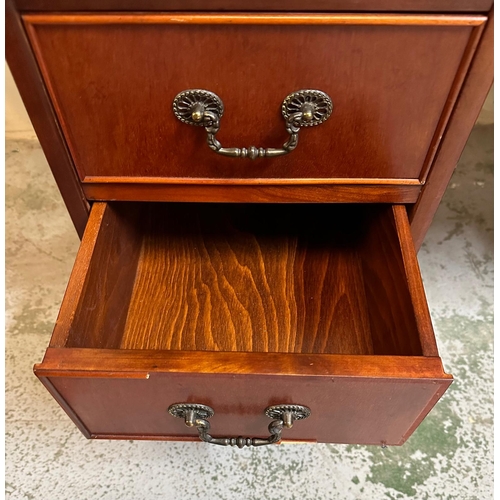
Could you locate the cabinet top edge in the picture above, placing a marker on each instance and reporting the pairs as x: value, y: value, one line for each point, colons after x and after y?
x: 469, y: 6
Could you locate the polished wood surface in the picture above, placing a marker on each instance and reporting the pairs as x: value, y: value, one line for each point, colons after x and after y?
x: 414, y: 282
x: 34, y: 94
x: 259, y: 5
x: 344, y: 410
x: 140, y: 364
x: 65, y: 406
x: 263, y: 193
x: 371, y: 381
x: 436, y: 169
x: 263, y: 181
x: 126, y: 90
x: 473, y: 94
x: 386, y: 288
x: 265, y: 278
x: 354, y: 399
x: 258, y: 278
x: 452, y: 98
x: 282, y: 19
x: 77, y: 281
x: 240, y: 307
x: 101, y: 313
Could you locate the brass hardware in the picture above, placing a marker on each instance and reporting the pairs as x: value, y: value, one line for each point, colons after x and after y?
x: 304, y: 108
x: 197, y: 415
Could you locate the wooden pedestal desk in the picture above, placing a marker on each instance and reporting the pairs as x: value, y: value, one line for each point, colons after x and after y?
x: 269, y: 290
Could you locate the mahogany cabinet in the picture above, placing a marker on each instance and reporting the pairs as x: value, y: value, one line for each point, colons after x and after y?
x: 232, y: 278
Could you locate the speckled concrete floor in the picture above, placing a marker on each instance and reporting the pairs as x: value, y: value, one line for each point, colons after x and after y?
x: 449, y: 457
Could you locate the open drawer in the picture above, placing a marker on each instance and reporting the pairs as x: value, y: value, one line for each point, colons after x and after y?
x: 240, y: 307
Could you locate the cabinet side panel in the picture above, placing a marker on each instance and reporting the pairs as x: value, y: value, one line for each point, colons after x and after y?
x: 467, y: 109
x: 33, y: 92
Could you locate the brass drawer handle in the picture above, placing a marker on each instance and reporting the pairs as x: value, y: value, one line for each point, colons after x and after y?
x: 304, y: 108
x: 197, y: 415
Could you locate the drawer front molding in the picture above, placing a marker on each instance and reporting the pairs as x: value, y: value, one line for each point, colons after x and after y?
x: 385, y: 126
x: 114, y: 394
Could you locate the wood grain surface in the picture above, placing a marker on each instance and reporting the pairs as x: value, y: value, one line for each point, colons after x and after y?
x: 125, y: 91
x: 258, y: 5
x: 78, y: 281
x: 354, y: 399
x: 141, y: 364
x: 102, y: 309
x: 343, y: 409
x: 455, y: 89
x: 240, y: 307
x: 392, y: 316
x: 474, y: 92
x: 414, y: 282
x: 251, y: 278
x: 238, y: 18
x: 229, y: 192
x: 257, y: 278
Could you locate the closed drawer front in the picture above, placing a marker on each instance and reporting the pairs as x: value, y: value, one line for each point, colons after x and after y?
x: 240, y: 307
x: 393, y: 80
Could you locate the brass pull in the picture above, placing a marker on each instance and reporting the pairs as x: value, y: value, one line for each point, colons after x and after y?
x: 304, y: 108
x: 197, y: 415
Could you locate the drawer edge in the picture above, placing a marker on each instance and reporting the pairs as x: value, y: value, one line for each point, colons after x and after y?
x: 65, y: 406
x: 115, y: 363
x: 438, y: 19
x: 314, y: 193
x: 415, y: 284
x: 424, y: 6
x: 73, y: 389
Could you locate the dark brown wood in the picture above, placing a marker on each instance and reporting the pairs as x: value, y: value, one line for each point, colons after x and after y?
x: 388, y: 297
x: 376, y: 131
x: 384, y: 406
x: 414, y: 282
x: 258, y: 5
x: 244, y: 306
x: 100, y: 317
x: 425, y: 411
x: 263, y: 181
x: 331, y: 193
x: 473, y: 94
x: 34, y: 95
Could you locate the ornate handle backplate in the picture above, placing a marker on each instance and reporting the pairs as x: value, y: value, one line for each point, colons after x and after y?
x: 197, y: 415
x: 304, y: 108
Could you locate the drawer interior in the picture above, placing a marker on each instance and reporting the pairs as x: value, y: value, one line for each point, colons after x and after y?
x: 242, y: 306
x: 310, y: 279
